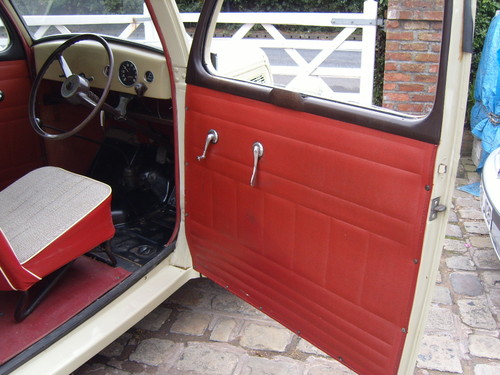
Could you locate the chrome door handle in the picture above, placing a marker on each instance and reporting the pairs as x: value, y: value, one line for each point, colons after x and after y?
x: 258, y: 151
x: 1, y: 95
x: 212, y: 137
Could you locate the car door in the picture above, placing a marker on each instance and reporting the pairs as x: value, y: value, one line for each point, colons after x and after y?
x: 320, y: 212
x: 19, y: 146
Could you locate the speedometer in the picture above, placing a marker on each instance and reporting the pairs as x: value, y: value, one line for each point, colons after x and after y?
x: 127, y: 73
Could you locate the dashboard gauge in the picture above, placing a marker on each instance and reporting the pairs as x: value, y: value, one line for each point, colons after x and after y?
x: 127, y: 73
x: 149, y: 76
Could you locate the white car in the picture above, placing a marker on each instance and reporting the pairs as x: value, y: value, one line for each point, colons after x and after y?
x: 490, y: 200
x: 326, y: 215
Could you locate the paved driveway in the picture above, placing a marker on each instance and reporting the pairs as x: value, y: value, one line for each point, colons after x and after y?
x: 204, y: 330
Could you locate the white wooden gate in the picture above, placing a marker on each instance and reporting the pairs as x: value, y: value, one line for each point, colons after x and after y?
x: 346, y: 23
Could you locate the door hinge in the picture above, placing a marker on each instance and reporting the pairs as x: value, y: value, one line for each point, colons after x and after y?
x: 436, y: 208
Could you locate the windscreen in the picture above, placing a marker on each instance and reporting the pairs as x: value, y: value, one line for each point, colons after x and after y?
x: 123, y: 19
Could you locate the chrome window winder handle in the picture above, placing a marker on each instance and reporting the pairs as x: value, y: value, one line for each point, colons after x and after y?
x: 212, y: 137
x: 258, y: 152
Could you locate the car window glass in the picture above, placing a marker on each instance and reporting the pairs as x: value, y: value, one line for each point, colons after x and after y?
x: 123, y: 19
x: 366, y: 53
x: 4, y: 37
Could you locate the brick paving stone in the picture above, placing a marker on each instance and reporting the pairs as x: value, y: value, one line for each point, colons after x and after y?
x: 439, y: 353
x: 439, y: 319
x: 469, y: 202
x: 487, y: 369
x: 455, y: 245
x: 305, y: 347
x: 453, y: 230
x: 453, y: 217
x: 486, y: 259
x: 115, y: 349
x: 420, y: 371
x: 475, y: 227
x: 275, y: 366
x: 470, y: 214
x: 466, y: 283
x: 473, y: 177
x: 154, y: 320
x: 469, y: 167
x: 481, y: 241
x: 476, y: 314
x: 439, y: 278
x: 460, y: 181
x: 484, y: 346
x: 205, y: 359
x: 222, y: 330
x: 460, y: 263
x: 191, y: 323
x: 193, y: 297
x: 495, y: 299
x: 442, y: 295
x: 491, y: 279
x: 461, y: 170
x: 152, y: 351
x: 101, y: 369
x: 228, y: 302
x: 321, y: 366
x: 263, y: 337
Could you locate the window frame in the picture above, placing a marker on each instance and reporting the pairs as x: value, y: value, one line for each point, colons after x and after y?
x: 426, y: 128
x: 14, y: 49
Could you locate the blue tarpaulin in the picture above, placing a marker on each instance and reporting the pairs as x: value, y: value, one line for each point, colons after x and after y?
x: 485, y: 115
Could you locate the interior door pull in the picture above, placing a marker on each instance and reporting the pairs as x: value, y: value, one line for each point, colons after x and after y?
x: 258, y: 151
x: 212, y: 137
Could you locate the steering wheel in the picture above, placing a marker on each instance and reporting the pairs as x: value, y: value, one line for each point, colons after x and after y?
x: 75, y: 89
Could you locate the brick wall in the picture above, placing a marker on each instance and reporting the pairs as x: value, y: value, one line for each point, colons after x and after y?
x: 413, y: 43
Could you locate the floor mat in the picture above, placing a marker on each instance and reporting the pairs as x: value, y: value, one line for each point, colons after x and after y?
x: 82, y: 284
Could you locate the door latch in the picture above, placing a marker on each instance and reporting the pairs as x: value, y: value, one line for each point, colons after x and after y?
x: 436, y: 208
x: 258, y: 151
x: 212, y: 137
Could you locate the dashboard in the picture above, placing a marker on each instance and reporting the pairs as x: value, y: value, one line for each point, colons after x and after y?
x: 132, y: 66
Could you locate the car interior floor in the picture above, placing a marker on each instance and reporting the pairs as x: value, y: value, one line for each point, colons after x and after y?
x: 135, y: 156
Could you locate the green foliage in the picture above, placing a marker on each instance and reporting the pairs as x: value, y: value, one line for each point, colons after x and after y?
x: 485, y: 12
x: 294, y: 5
x: 79, y: 6
x: 189, y: 5
x: 378, y: 78
x: 278, y: 6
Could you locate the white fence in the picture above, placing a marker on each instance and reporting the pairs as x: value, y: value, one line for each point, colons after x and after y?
x: 4, y: 40
x: 348, y: 23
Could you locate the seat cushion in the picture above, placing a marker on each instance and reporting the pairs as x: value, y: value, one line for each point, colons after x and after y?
x: 44, y: 204
x: 47, y: 219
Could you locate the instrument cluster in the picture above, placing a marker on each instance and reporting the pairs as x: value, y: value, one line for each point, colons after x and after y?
x: 128, y: 74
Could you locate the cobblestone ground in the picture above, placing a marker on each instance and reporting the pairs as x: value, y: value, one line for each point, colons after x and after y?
x: 204, y: 330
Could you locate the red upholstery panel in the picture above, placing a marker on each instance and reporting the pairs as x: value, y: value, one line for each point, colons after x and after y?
x: 12, y: 274
x: 326, y: 241
x: 20, y: 149
x: 46, y: 234
x: 91, y: 231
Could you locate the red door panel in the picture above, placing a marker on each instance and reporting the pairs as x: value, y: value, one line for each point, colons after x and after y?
x: 328, y: 240
x: 20, y: 149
